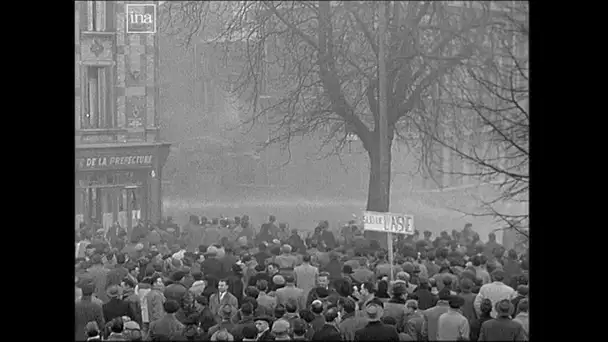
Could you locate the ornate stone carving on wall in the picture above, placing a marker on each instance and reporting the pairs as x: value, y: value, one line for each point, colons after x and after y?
x: 136, y: 112
x: 96, y: 48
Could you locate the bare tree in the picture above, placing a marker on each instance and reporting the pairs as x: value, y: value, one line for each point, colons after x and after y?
x: 484, y: 116
x: 310, y: 68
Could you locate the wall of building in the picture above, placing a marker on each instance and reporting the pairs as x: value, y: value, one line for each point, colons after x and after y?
x: 130, y: 59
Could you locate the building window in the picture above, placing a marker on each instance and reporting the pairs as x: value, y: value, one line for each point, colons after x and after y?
x: 97, y: 15
x: 97, y: 112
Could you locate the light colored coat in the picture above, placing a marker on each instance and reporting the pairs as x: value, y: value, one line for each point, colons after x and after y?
x: 291, y: 292
x: 495, y: 292
x: 522, y: 318
x: 306, y: 277
x: 431, y: 319
x: 452, y: 326
x: 215, y: 304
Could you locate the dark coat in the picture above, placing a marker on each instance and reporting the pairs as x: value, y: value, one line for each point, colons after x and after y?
x: 515, y: 301
x: 297, y: 243
x: 260, y: 276
x: 329, y: 239
x: 377, y: 331
x: 237, y: 330
x: 425, y: 298
x: 475, y: 327
x: 175, y: 291
x: 117, y: 308
x: 502, y: 329
x: 167, y: 327
x: 135, y: 304
x: 261, y: 257
x: 227, y: 261
x: 267, y: 336
x: 208, y: 291
x: 235, y: 286
x: 317, y: 323
x: 313, y: 295
x: 212, y: 266
x: 85, y: 312
x: 334, y: 268
x: 395, y: 308
x: 327, y: 333
x: 512, y: 269
x: 206, y: 319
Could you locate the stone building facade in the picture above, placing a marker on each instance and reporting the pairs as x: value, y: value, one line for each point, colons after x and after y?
x: 119, y: 151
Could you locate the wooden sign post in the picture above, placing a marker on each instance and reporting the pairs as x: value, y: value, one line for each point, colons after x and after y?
x: 389, y: 223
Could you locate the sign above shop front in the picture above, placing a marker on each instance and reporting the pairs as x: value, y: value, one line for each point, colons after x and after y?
x: 114, y: 162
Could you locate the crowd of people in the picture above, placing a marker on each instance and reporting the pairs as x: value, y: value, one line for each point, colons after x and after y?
x: 222, y: 280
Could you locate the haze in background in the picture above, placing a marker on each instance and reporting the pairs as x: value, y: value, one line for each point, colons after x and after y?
x: 215, y: 169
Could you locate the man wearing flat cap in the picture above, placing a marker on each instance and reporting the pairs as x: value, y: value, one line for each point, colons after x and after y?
x: 452, y: 325
x: 375, y: 330
x: 502, y: 328
x: 280, y: 329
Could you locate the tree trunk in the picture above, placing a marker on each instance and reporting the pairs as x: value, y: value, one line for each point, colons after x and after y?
x: 378, y: 192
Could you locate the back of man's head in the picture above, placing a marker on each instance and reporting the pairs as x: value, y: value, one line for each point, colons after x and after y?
x: 247, y: 309
x: 291, y: 306
x: 299, y: 327
x: 171, y: 306
x: 523, y: 305
x: 252, y: 291
x: 197, y: 276
x: 120, y: 259
x: 252, y: 301
x: 92, y: 329
x: 289, y: 279
x: 306, y: 258
x: 262, y: 285
x: 368, y: 286
x: 349, y: 305
x: 316, y: 307
x: 306, y: 315
x: 498, y: 275
x: 331, y: 315
x: 250, y: 331
x: 486, y: 306
x: 279, y: 311
x: 116, y: 326
x: 447, y: 281
x: 476, y: 261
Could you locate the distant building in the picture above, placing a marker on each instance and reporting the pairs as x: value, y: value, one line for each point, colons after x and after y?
x: 119, y: 151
